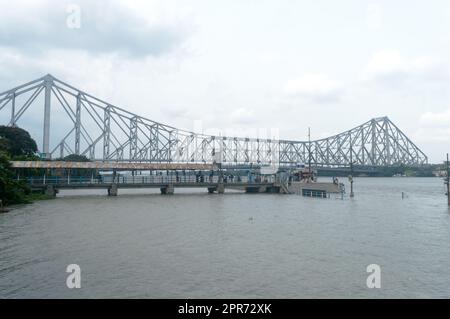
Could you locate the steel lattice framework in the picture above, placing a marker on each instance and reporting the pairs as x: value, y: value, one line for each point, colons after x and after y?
x: 102, y: 131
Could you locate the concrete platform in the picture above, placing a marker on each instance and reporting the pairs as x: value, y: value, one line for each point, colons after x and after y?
x: 329, y: 188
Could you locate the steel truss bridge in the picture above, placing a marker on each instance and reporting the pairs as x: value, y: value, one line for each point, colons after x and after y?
x: 75, y: 122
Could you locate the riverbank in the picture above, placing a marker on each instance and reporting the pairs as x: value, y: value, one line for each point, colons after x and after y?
x: 32, y: 197
x: 28, y: 199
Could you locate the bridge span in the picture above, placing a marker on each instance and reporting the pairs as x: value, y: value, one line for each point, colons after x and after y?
x: 76, y: 122
x: 167, y: 186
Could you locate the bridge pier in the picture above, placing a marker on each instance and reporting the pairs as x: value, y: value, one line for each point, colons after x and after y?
x: 273, y: 190
x: 113, y: 190
x: 220, y: 188
x: 168, y: 190
x: 50, y: 190
x: 255, y: 189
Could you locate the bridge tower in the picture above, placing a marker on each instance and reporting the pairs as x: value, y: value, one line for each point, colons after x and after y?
x: 48, y: 82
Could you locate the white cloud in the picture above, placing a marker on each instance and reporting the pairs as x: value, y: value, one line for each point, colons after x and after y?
x: 242, y: 115
x: 438, y: 119
x: 386, y: 62
x: 316, y: 87
x: 434, y: 131
x: 374, y: 17
x: 390, y: 66
x: 425, y: 135
x: 417, y: 83
x: 107, y: 27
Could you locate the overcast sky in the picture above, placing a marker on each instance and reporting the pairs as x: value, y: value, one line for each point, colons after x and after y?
x: 246, y: 64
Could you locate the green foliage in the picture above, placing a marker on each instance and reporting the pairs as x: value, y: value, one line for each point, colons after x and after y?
x: 26, y: 158
x: 33, y: 196
x: 79, y: 171
x: 15, y: 144
x: 420, y: 171
x: 16, y: 141
x: 388, y: 171
x: 76, y: 158
x: 4, y: 145
x: 11, y: 190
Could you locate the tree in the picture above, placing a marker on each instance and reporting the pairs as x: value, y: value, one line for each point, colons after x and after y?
x: 4, y: 145
x: 11, y: 190
x: 79, y: 171
x: 16, y: 141
x: 75, y: 158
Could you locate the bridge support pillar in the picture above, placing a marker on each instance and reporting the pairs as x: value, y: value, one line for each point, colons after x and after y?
x: 113, y: 190
x: 272, y: 189
x: 169, y: 190
x: 221, y: 188
x: 259, y: 189
x: 50, y: 190
x: 251, y: 189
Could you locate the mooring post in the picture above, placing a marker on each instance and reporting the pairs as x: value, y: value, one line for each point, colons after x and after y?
x: 448, y: 184
x: 221, y: 188
x: 350, y: 178
x: 113, y: 190
x: 50, y: 190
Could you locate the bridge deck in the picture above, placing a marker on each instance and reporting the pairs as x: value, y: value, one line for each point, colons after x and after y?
x: 242, y: 186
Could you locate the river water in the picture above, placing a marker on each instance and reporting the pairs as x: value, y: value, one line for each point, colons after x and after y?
x: 194, y: 245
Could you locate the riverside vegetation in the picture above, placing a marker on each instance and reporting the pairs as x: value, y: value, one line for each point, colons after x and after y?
x: 15, y: 144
